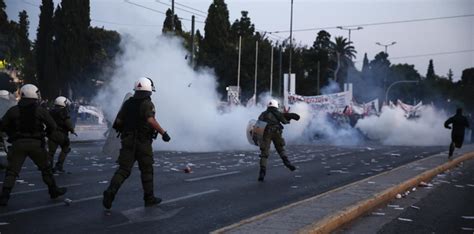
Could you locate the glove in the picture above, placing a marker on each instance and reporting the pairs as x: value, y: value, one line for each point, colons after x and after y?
x: 290, y: 116
x: 73, y: 133
x: 449, y: 127
x: 166, y: 137
x: 294, y: 116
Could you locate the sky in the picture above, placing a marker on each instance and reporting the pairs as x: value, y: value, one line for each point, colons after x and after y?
x: 449, y: 41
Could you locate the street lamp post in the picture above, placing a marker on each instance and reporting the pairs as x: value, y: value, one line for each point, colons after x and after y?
x: 349, y: 29
x: 397, y: 82
x: 291, y: 38
x: 386, y: 45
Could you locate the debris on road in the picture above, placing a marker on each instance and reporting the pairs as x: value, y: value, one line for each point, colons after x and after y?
x: 67, y: 201
x: 405, y: 220
x: 424, y: 184
x: 378, y: 213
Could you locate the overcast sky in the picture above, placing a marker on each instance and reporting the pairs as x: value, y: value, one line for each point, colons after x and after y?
x: 444, y: 37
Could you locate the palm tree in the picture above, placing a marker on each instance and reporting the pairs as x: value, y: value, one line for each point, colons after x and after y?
x: 343, y: 52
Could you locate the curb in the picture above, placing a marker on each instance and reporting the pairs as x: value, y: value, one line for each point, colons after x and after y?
x: 333, y: 222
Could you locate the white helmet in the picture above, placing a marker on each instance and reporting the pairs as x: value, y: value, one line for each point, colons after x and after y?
x: 29, y: 91
x: 5, y: 94
x: 273, y: 103
x: 144, y: 84
x: 61, y: 101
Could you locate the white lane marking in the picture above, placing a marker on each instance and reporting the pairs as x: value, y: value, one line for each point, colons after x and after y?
x: 190, y: 196
x: 212, y: 176
x: 59, y: 203
x: 340, y: 154
x: 131, y: 213
x: 21, y: 211
x: 43, y: 189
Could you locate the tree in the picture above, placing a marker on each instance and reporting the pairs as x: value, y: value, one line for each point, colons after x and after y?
x: 323, y: 41
x: 343, y: 52
x: 168, y: 26
x: 24, y: 48
x: 8, y: 36
x: 320, y: 53
x: 44, y: 51
x: 450, y: 75
x: 430, y: 74
x: 242, y: 27
x: 72, y: 21
x: 467, y: 77
x: 215, y: 46
x: 365, y: 65
x: 3, y: 14
x: 407, y: 92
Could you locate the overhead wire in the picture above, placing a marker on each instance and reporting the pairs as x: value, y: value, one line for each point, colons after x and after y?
x: 166, y: 4
x: 375, y: 24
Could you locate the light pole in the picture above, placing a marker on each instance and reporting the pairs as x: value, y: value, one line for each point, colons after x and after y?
x: 291, y: 38
x: 397, y: 82
x: 386, y: 45
x: 385, y: 77
x: 349, y: 29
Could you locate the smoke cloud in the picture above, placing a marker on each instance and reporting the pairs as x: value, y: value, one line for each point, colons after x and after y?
x: 393, y: 128
x: 186, y: 100
x: 187, y: 103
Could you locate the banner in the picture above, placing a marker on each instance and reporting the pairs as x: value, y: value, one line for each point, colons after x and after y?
x: 335, y: 102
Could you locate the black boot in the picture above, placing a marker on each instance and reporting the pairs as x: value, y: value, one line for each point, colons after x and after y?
x: 108, y: 199
x: 55, y: 192
x: 289, y: 165
x: 261, y: 175
x: 451, y: 150
x: 5, y: 196
x: 58, y: 168
x: 151, y: 200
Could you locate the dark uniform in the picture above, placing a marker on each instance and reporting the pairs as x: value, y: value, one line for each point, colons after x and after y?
x: 60, y: 137
x: 272, y: 133
x: 459, y: 123
x: 136, y: 138
x: 24, y: 125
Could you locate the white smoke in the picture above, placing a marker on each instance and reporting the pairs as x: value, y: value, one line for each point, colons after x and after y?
x: 186, y: 100
x: 393, y: 128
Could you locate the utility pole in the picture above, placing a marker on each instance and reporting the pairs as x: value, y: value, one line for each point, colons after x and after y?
x: 385, y: 76
x: 238, y: 64
x: 349, y: 29
x: 291, y: 38
x: 271, y: 73
x: 386, y: 45
x: 256, y: 70
x: 172, y: 15
x: 280, y: 73
x: 192, y: 41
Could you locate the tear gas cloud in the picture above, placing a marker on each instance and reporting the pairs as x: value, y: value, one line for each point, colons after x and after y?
x: 393, y: 128
x: 186, y: 104
x: 186, y: 100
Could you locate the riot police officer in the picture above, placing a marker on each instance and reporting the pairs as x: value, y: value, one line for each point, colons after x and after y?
x: 60, y: 137
x: 138, y: 127
x: 24, y: 125
x: 273, y: 133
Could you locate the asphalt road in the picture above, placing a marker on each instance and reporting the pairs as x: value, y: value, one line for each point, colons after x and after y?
x: 447, y: 206
x: 222, y: 188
